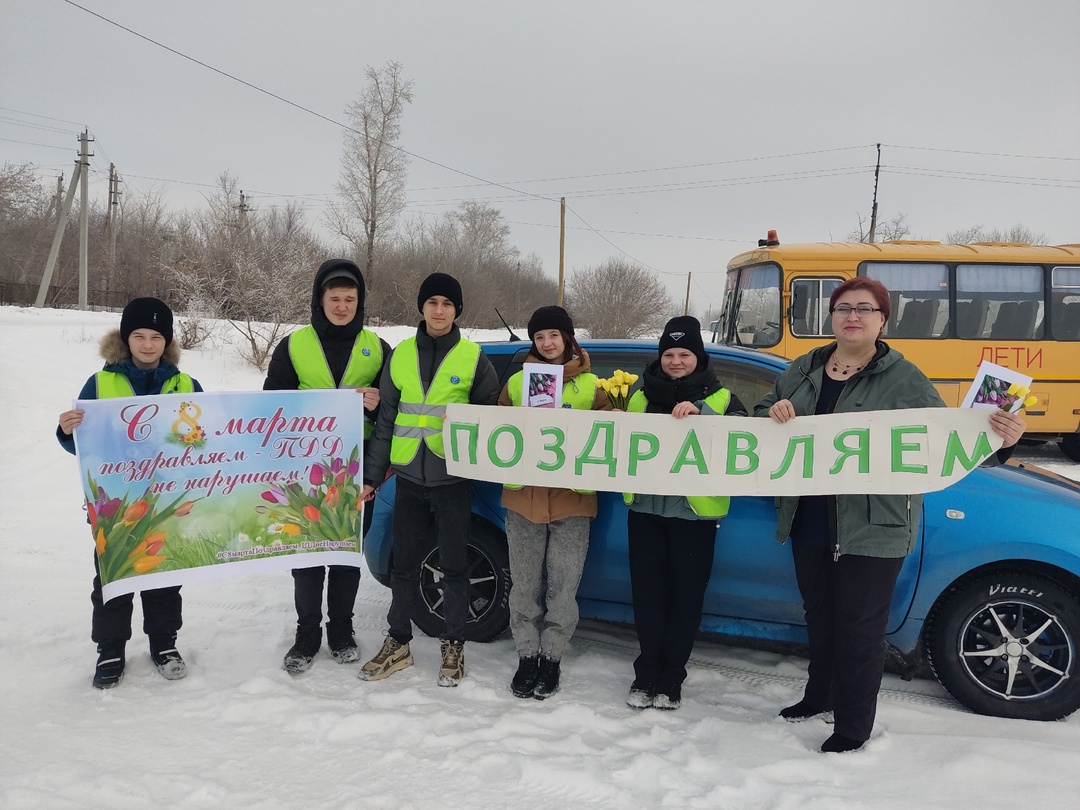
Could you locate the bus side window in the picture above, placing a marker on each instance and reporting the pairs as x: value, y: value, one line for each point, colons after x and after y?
x: 971, y: 317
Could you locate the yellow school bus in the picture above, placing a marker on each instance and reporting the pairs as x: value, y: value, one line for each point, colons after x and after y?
x: 953, y: 306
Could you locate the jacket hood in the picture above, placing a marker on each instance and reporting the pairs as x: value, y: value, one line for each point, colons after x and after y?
x: 337, y: 267
x: 114, y: 350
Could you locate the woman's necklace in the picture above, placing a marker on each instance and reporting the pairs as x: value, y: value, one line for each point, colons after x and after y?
x: 848, y: 368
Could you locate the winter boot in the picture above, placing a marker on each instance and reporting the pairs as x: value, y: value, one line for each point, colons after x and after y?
x: 299, y: 657
x: 839, y: 744
x: 526, y: 677
x: 393, y: 656
x: 641, y: 695
x: 166, y: 658
x: 548, y: 684
x: 343, y: 647
x: 110, y: 666
x: 801, y: 711
x: 453, y: 662
x: 668, y: 697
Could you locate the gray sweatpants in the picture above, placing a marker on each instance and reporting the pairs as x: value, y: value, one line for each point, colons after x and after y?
x: 543, y: 615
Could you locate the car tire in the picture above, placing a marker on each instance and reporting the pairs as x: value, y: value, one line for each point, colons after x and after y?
x: 489, y: 586
x: 1019, y: 676
x: 1070, y: 445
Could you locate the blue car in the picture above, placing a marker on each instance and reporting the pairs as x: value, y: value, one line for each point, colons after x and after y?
x: 989, y: 599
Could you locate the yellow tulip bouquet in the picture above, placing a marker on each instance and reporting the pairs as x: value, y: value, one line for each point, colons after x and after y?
x: 617, y: 387
x: 1017, y: 392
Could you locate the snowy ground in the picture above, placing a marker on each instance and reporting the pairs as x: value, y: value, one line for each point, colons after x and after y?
x: 240, y: 732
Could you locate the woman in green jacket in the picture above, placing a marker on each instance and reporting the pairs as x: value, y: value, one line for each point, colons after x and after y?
x: 848, y: 549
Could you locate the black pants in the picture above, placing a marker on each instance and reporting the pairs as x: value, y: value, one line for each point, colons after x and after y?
x: 417, y: 512
x: 342, y: 582
x: 111, y: 625
x: 847, y: 609
x: 670, y: 563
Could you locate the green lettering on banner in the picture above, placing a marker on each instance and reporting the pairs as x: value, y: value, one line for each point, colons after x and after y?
x: 807, y: 443
x: 637, y: 455
x: 861, y: 450
x: 473, y: 430
x: 556, y: 447
x: 691, y: 453
x: 899, y: 447
x: 741, y: 444
x: 954, y: 451
x: 586, y: 457
x: 519, y: 446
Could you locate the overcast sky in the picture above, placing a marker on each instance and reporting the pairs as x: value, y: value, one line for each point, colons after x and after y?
x: 679, y: 132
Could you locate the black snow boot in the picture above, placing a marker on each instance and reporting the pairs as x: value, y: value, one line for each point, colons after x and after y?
x: 548, y: 683
x: 166, y: 657
x: 526, y: 677
x: 298, y: 658
x: 342, y: 642
x: 110, y: 666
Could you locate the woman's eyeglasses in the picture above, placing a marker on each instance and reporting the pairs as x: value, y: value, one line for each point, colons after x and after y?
x: 843, y: 310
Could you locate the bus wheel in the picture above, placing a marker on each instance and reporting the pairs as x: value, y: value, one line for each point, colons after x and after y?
x: 1070, y: 445
x: 1006, y: 645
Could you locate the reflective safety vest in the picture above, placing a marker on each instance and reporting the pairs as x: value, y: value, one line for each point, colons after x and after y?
x: 114, y: 384
x: 309, y: 360
x: 578, y: 392
x: 705, y: 506
x: 420, y: 413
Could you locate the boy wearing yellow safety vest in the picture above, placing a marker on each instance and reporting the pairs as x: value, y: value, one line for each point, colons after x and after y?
x: 671, y: 538
x: 335, y: 351
x: 140, y: 360
x: 426, y: 373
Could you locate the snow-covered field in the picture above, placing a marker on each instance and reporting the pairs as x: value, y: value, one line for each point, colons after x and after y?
x: 240, y: 732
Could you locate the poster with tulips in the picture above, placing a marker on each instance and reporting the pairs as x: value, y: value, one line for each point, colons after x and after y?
x: 185, y: 488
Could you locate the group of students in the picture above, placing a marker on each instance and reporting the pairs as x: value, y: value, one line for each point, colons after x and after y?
x: 848, y: 549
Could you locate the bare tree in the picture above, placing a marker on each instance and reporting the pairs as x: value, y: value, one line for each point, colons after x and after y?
x: 249, y: 267
x: 978, y: 233
x: 618, y: 299
x: 887, y: 231
x: 373, y: 168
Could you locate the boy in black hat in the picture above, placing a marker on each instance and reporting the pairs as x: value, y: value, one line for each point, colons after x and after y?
x: 427, y: 372
x: 140, y: 360
x: 335, y: 351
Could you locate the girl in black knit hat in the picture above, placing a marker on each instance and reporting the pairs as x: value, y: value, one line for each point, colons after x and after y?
x: 671, y: 538
x: 547, y: 529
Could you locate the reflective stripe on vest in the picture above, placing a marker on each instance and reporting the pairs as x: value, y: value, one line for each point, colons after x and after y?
x: 312, y: 370
x: 578, y: 392
x: 112, y: 384
x: 704, y: 506
x: 420, y: 413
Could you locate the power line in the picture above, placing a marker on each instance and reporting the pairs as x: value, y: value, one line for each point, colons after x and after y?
x: 308, y: 110
x: 981, y: 154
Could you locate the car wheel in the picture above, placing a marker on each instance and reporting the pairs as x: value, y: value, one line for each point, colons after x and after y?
x: 1070, y: 445
x: 488, y: 566
x: 1006, y: 645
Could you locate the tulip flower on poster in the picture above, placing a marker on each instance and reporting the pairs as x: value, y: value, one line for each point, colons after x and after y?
x: 128, y: 534
x: 328, y: 508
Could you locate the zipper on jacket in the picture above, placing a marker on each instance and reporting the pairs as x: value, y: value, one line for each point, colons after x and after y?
x: 836, y: 528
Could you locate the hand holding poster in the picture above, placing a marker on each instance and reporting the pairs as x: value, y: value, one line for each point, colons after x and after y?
x: 182, y: 489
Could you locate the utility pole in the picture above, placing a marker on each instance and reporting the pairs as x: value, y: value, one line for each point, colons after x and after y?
x: 873, y: 209
x: 242, y: 209
x: 111, y: 215
x: 84, y: 217
x: 58, y: 198
x: 61, y: 222
x: 686, y: 306
x: 562, y: 246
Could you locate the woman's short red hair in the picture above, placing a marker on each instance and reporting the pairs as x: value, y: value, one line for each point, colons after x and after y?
x: 875, y: 288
